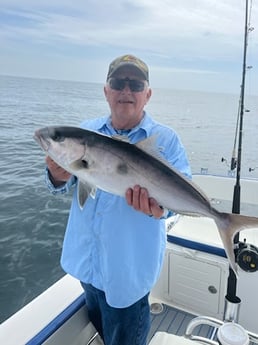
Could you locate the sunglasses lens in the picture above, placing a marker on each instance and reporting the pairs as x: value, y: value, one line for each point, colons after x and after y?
x: 119, y: 84
x: 136, y: 85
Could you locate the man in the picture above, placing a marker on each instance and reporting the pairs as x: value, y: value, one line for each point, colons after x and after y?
x: 114, y: 245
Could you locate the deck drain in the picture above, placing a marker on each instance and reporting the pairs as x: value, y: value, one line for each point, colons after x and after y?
x: 156, y: 308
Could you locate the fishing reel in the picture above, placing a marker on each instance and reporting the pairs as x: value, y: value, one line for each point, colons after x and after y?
x: 247, y: 257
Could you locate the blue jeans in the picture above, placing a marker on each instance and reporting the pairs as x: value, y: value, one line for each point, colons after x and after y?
x: 118, y: 326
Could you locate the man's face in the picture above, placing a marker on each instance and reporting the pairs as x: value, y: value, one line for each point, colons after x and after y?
x: 126, y: 105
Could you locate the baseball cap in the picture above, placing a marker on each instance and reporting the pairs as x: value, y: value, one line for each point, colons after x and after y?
x: 131, y: 61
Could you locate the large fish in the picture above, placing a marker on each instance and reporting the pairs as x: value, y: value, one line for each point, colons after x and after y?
x: 114, y: 165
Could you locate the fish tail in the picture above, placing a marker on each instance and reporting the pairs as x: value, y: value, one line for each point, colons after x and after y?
x: 229, y: 224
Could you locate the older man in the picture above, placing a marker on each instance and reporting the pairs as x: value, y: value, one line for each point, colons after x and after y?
x: 115, y: 245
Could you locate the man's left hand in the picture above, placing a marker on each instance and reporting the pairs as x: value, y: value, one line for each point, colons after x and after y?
x: 138, y: 198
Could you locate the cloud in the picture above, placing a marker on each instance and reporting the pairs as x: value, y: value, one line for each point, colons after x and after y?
x: 123, y: 22
x: 200, y: 35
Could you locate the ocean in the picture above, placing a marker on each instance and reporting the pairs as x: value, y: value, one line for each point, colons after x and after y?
x: 32, y: 222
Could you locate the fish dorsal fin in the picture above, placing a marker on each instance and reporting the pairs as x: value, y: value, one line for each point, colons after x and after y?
x: 149, y: 145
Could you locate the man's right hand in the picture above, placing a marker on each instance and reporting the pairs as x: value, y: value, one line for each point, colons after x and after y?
x: 58, y: 175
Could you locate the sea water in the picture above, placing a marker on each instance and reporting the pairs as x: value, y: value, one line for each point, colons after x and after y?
x: 32, y: 222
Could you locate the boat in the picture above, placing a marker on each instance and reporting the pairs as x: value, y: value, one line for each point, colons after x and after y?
x: 189, y: 300
x: 197, y: 298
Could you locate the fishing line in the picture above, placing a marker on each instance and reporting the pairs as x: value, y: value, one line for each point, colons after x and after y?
x: 236, y: 162
x: 236, y: 158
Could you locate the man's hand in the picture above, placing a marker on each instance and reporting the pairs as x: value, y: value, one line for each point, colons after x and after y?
x: 139, y: 199
x: 57, y: 174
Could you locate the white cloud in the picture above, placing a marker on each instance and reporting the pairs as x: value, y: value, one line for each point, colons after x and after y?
x: 196, y: 35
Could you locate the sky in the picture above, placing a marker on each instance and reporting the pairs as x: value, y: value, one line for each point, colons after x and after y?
x: 187, y: 44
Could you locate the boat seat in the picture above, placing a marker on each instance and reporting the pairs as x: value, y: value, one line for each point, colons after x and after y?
x: 164, y: 338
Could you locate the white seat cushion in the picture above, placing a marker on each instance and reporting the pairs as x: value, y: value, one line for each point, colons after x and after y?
x: 163, y: 338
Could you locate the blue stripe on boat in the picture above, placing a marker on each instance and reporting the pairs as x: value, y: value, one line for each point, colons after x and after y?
x: 57, y: 322
x: 197, y: 246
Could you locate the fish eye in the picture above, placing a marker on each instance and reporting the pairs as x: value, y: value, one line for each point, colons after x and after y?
x: 57, y: 136
x: 85, y: 164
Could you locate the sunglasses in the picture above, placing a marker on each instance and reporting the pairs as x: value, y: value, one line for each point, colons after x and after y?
x: 119, y: 84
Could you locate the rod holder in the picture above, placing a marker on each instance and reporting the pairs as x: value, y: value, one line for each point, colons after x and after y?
x: 231, y: 309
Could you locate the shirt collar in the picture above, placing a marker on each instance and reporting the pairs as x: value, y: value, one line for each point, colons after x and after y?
x: 145, y: 126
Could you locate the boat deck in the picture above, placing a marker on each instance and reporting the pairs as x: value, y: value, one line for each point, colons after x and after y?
x: 175, y: 321
x: 172, y: 320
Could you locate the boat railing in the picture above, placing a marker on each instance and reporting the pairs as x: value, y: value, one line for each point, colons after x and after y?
x: 213, y: 322
x: 222, y: 187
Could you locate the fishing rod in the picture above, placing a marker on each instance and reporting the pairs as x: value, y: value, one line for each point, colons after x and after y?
x: 232, y: 301
x: 237, y: 188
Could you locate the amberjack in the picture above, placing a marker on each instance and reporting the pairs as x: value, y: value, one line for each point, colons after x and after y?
x: 114, y: 165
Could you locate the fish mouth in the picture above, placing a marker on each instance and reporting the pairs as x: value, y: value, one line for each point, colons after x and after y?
x: 41, y: 139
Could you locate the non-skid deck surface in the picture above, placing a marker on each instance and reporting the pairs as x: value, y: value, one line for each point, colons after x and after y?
x: 175, y: 321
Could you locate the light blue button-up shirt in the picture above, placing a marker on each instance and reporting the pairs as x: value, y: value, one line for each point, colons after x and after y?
x: 109, y: 244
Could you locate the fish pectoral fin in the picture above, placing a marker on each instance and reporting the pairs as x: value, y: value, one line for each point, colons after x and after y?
x: 84, y: 190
